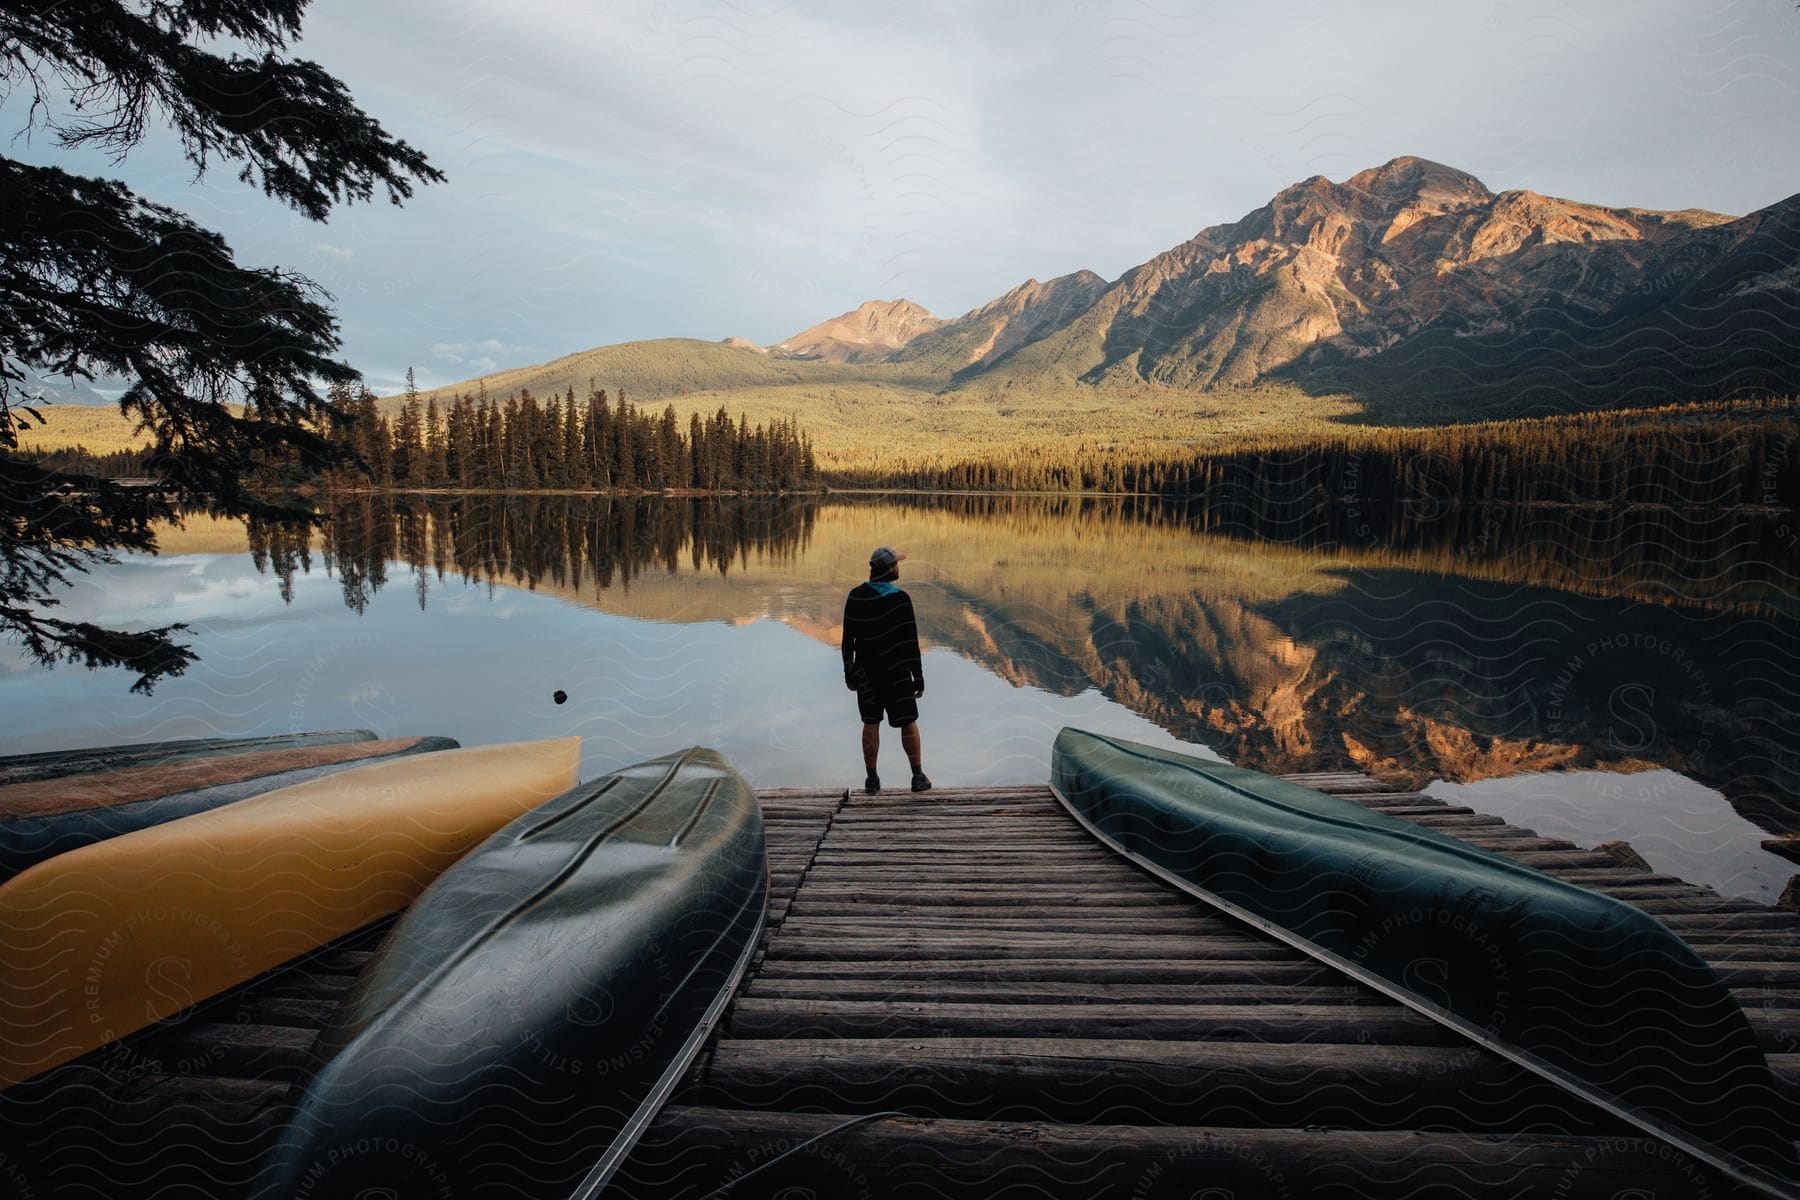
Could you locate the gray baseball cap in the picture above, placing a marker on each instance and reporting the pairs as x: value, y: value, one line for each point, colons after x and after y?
x: 884, y: 559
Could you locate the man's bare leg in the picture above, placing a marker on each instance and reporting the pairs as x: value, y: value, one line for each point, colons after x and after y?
x: 909, y: 740
x: 872, y: 745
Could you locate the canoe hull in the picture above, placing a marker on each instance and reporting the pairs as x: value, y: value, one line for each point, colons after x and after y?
x: 44, y: 818
x: 520, y: 1020
x: 111, y: 937
x: 52, y: 764
x: 1554, y: 975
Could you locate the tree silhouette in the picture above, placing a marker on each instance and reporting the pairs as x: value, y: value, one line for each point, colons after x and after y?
x: 518, y: 445
x: 95, y: 280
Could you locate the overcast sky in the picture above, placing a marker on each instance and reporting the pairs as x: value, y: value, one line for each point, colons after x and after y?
x: 632, y: 170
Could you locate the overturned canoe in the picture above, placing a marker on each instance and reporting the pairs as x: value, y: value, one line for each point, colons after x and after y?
x: 111, y: 937
x: 48, y: 815
x: 52, y: 764
x: 1582, y: 988
x: 530, y: 1012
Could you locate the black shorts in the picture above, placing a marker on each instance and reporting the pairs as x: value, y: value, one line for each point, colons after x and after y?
x: 901, y: 710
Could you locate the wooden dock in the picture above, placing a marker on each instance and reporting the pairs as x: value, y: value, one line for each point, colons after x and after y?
x: 1004, y: 1008
x: 1037, y: 1017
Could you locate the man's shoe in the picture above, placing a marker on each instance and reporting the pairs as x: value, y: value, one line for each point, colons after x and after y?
x: 920, y: 783
x: 872, y: 784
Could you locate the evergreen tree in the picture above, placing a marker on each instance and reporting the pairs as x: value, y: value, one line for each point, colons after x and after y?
x: 436, y: 471
x: 409, y: 437
x: 95, y: 280
x: 548, y: 439
x: 458, y: 447
x: 597, y: 440
x: 574, y: 474
x: 625, y: 469
x: 670, y: 454
x: 696, y: 452
x: 369, y: 437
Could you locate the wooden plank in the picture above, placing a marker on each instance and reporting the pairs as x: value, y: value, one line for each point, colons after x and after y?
x: 1342, y: 784
x: 1679, y: 914
x: 294, y: 985
x: 1777, y: 1029
x: 1632, y: 890
x: 279, y: 1010
x: 851, y: 924
x: 926, y: 1158
x: 1519, y: 843
x: 953, y: 875
x: 1023, y: 862
x: 849, y: 893
x: 235, y: 1051
x: 999, y: 821
x: 1002, y: 946
x: 1754, y: 974
x: 168, y: 1089
x: 1626, y: 877
x: 1445, y: 818
x: 1365, y: 1025
x: 1721, y: 953
x: 923, y: 909
x: 1547, y: 859
x: 824, y: 875
x: 1249, y: 958
x: 1309, y: 986
x: 938, y: 841
x: 1035, y: 808
x: 1157, y: 1082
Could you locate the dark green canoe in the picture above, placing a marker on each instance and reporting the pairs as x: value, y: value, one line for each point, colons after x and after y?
x: 1583, y: 988
x: 89, y: 810
x: 532, y: 1009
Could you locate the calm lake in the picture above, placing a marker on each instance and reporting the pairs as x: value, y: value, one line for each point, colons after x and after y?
x: 1593, y: 676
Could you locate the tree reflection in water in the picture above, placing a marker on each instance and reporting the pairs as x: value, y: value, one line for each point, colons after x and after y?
x: 1412, y: 641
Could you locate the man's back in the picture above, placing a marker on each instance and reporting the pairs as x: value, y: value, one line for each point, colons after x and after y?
x: 881, y: 637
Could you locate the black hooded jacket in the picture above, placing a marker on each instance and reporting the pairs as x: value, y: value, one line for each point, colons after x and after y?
x: 881, y: 641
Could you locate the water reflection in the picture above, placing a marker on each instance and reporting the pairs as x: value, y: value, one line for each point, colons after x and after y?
x: 1417, y: 645
x: 533, y: 541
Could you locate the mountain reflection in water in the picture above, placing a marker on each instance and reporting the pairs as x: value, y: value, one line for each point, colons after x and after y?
x: 1410, y: 641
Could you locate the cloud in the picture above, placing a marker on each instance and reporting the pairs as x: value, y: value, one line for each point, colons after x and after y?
x: 341, y: 253
x: 649, y: 168
x: 474, y: 354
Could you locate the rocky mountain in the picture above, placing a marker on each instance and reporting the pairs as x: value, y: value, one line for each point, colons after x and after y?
x: 1328, y: 273
x: 1410, y: 287
x: 871, y: 331
x: 1027, y: 313
x: 1413, y: 286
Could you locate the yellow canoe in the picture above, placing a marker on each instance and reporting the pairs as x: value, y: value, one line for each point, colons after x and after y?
x: 109, y: 938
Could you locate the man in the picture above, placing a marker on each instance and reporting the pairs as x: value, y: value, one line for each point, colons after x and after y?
x: 881, y: 663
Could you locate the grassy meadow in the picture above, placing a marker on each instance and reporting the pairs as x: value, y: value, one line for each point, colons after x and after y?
x: 98, y: 429
x: 861, y: 417
x: 915, y: 424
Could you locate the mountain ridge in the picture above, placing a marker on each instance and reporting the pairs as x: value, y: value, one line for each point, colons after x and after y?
x: 1410, y: 287
x: 870, y: 331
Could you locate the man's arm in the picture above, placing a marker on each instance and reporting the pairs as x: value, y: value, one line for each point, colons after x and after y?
x: 849, y: 645
x: 909, y: 645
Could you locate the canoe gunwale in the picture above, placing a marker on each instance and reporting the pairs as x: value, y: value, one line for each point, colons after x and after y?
x: 602, y: 1172
x: 1721, y: 1160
